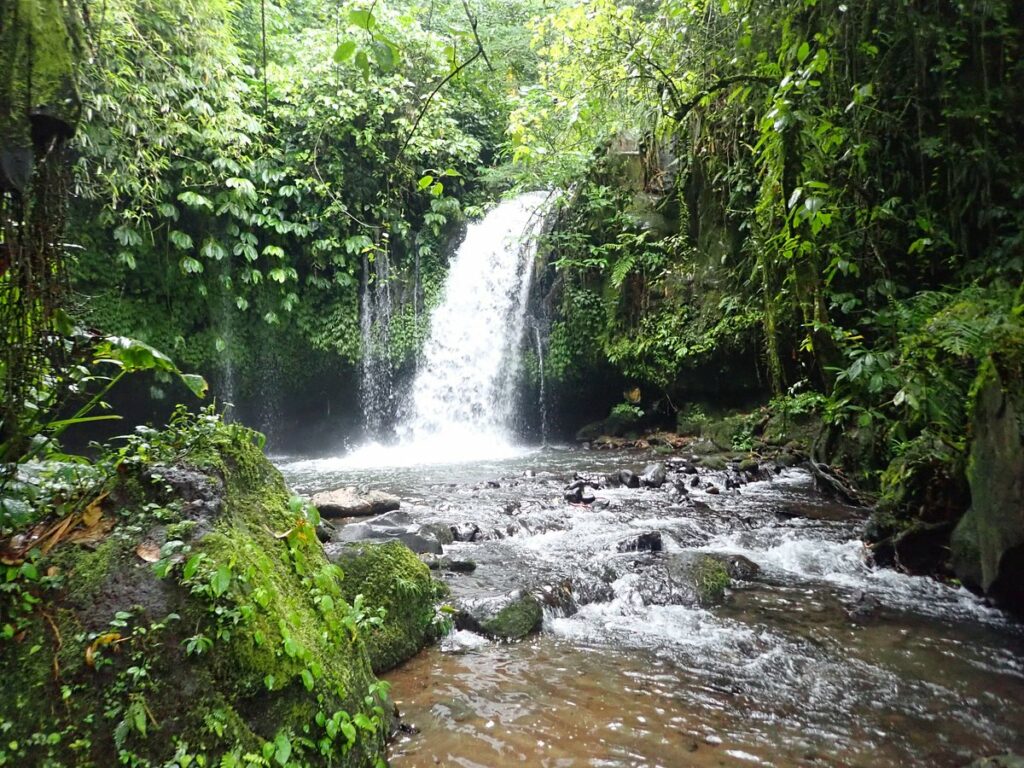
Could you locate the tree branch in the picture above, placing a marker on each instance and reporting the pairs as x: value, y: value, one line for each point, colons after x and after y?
x: 723, y: 83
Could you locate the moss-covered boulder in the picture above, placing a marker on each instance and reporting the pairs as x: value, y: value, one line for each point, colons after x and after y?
x: 392, y: 577
x: 190, y: 618
x: 512, y: 616
x: 987, y: 545
x: 683, y: 578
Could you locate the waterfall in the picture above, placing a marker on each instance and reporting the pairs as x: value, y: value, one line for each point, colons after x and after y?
x: 464, y: 387
x: 541, y: 399
x: 461, y: 401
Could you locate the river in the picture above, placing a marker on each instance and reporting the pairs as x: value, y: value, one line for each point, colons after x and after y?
x: 817, y: 659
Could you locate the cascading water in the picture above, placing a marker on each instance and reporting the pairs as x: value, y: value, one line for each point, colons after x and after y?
x: 461, y: 403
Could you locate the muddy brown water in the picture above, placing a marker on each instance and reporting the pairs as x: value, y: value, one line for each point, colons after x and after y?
x: 788, y: 671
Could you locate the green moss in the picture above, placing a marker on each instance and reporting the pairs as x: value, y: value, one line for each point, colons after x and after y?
x: 390, y: 576
x: 516, y: 620
x: 276, y: 663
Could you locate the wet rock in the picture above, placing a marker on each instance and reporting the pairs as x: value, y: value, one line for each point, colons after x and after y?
x: 864, y: 606
x: 587, y: 495
x: 347, y: 502
x: 822, y: 509
x: 712, y: 489
x: 590, y: 591
x: 440, y: 531
x: 465, y: 532
x: 679, y: 491
x: 1009, y: 760
x: 695, y: 482
x: 750, y: 466
x: 653, y: 476
x: 715, y: 463
x: 511, y: 616
x: 445, y: 563
x: 703, y: 447
x: 625, y: 477
x: 987, y: 546
x: 559, y: 598
x: 325, y: 531
x: 601, y: 504
x: 686, y: 578
x: 381, y: 529
x: 644, y: 542
x: 738, y: 567
x: 787, y: 459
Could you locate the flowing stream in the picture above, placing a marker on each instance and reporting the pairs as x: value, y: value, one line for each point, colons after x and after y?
x: 813, y: 658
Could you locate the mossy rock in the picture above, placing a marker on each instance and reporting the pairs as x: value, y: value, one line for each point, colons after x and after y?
x: 237, y: 655
x: 392, y: 577
x: 723, y: 431
x: 504, y: 617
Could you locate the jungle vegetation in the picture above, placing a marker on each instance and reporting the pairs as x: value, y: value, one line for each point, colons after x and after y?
x: 818, y: 199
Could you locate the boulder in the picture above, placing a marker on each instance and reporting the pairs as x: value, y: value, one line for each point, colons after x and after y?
x: 511, y: 616
x: 653, y: 476
x: 465, y: 532
x: 987, y: 546
x: 687, y: 578
x: 644, y: 542
x: 391, y: 577
x: 247, y: 558
x: 347, y: 502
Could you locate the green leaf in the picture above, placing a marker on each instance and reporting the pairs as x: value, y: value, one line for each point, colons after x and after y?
x: 307, y: 679
x: 191, y: 266
x: 363, y: 63
x: 425, y: 182
x: 192, y: 565
x: 212, y: 250
x: 362, y: 18
x: 180, y: 239
x: 282, y: 748
x: 803, y: 52
x: 196, y: 384
x: 344, y: 51
x: 195, y: 200
x: 221, y: 580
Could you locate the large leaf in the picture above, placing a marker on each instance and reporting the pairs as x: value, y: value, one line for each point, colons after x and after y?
x: 362, y: 18
x: 344, y: 51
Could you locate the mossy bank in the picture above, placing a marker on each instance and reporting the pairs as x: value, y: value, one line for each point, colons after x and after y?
x: 189, y: 616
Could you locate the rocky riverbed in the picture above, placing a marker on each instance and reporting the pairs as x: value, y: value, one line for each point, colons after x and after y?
x: 675, y: 610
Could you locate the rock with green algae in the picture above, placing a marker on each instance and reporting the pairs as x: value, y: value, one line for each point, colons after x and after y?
x: 511, y: 616
x: 987, y: 545
x: 240, y: 654
x: 392, y: 577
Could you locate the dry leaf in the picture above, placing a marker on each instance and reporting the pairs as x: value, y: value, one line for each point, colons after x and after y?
x: 105, y: 639
x: 94, y: 511
x: 94, y: 535
x: 148, y: 551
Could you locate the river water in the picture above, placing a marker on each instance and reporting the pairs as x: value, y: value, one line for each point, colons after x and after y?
x: 818, y: 659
